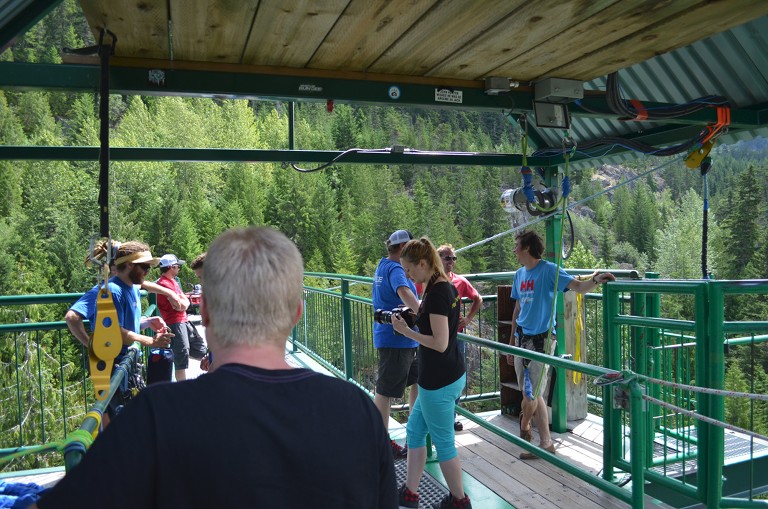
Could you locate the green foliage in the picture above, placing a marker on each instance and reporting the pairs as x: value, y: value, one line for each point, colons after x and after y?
x: 679, y: 250
x: 582, y: 258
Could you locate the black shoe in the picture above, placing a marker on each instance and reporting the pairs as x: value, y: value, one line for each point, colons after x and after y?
x: 407, y: 498
x: 451, y: 502
x: 457, y: 426
x: 398, y: 451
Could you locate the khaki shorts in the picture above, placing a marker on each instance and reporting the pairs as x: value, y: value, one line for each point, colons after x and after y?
x: 536, y: 370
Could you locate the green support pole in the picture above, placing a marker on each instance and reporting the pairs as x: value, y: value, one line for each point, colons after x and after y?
x: 639, y: 338
x: 346, y: 329
x: 712, y: 445
x: 702, y: 368
x: 553, y: 246
x: 653, y: 310
x: 611, y: 358
x: 637, y: 417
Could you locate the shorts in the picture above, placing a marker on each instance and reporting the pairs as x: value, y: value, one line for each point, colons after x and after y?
x: 186, y: 343
x: 536, y: 370
x: 398, y: 369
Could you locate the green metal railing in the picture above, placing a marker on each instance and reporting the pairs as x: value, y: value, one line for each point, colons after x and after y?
x: 649, y: 334
x: 673, y: 361
x: 45, y: 392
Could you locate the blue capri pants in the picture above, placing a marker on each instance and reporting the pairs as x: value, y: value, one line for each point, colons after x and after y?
x: 433, y: 413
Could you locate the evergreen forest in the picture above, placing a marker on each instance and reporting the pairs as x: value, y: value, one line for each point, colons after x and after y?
x: 341, y: 216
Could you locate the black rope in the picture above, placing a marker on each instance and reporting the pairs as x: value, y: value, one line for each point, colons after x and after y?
x: 105, y: 51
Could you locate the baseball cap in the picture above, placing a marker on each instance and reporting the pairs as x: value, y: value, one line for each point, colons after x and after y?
x: 399, y: 237
x: 168, y: 259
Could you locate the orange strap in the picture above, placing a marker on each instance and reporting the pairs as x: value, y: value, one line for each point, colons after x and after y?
x: 723, y: 120
x: 642, y: 113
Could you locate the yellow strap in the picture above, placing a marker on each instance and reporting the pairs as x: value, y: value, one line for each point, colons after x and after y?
x: 106, y: 341
x: 579, y: 331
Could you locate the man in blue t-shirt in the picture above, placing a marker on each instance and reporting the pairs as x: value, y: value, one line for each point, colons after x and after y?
x: 533, y: 292
x: 398, y: 367
x: 132, y: 261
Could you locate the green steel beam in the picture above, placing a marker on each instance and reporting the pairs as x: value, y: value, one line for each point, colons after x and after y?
x: 233, y: 82
x: 226, y: 82
x: 20, y: 20
x: 275, y: 156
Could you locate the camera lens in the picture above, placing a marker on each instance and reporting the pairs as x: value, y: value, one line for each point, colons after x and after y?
x: 382, y: 316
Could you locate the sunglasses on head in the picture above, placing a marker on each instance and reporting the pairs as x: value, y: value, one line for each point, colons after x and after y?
x: 450, y: 258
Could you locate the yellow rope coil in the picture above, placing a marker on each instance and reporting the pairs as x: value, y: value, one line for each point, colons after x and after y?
x: 579, y: 331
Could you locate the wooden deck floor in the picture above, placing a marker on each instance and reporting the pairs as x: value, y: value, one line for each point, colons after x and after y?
x: 495, y: 463
x: 537, y: 484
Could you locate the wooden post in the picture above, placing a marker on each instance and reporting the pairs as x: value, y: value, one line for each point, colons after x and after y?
x: 511, y: 397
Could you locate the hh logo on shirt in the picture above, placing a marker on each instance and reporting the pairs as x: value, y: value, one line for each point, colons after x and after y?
x: 526, y: 286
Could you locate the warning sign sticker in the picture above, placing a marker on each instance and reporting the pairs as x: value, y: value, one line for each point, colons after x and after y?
x: 444, y: 95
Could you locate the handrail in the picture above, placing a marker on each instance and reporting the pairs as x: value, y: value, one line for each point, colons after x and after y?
x: 336, y: 330
x: 73, y: 455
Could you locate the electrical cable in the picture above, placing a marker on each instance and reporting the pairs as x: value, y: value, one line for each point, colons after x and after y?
x: 386, y: 150
x: 634, y: 110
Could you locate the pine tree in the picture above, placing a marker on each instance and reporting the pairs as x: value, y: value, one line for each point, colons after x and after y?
x: 622, y: 214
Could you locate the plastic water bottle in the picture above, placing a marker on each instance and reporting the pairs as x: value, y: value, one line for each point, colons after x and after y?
x: 528, y: 389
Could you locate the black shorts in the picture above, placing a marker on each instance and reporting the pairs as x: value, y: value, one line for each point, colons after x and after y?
x: 398, y: 369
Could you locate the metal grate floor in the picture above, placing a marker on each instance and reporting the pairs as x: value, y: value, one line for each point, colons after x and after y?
x: 738, y: 447
x: 430, y: 491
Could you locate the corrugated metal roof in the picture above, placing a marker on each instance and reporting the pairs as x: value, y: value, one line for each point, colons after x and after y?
x: 16, y: 16
x: 733, y: 64
x: 9, y: 9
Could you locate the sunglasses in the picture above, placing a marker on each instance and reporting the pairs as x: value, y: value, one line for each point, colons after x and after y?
x: 450, y: 258
x: 143, y: 266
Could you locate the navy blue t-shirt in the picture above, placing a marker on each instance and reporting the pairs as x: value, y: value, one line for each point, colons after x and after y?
x: 239, y: 436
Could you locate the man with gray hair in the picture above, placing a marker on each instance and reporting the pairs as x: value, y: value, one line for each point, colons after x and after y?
x: 261, y: 427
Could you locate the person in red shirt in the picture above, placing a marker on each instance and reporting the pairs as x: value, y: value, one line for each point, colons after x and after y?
x: 466, y: 291
x: 186, y: 342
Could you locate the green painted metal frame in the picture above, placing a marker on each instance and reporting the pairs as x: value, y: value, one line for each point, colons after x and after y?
x: 709, y: 332
x: 225, y: 82
x: 211, y: 155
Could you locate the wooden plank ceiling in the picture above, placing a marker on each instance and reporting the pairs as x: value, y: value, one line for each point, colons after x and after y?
x: 441, y: 40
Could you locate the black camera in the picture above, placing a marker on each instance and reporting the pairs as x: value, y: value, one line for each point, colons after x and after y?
x: 385, y: 316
